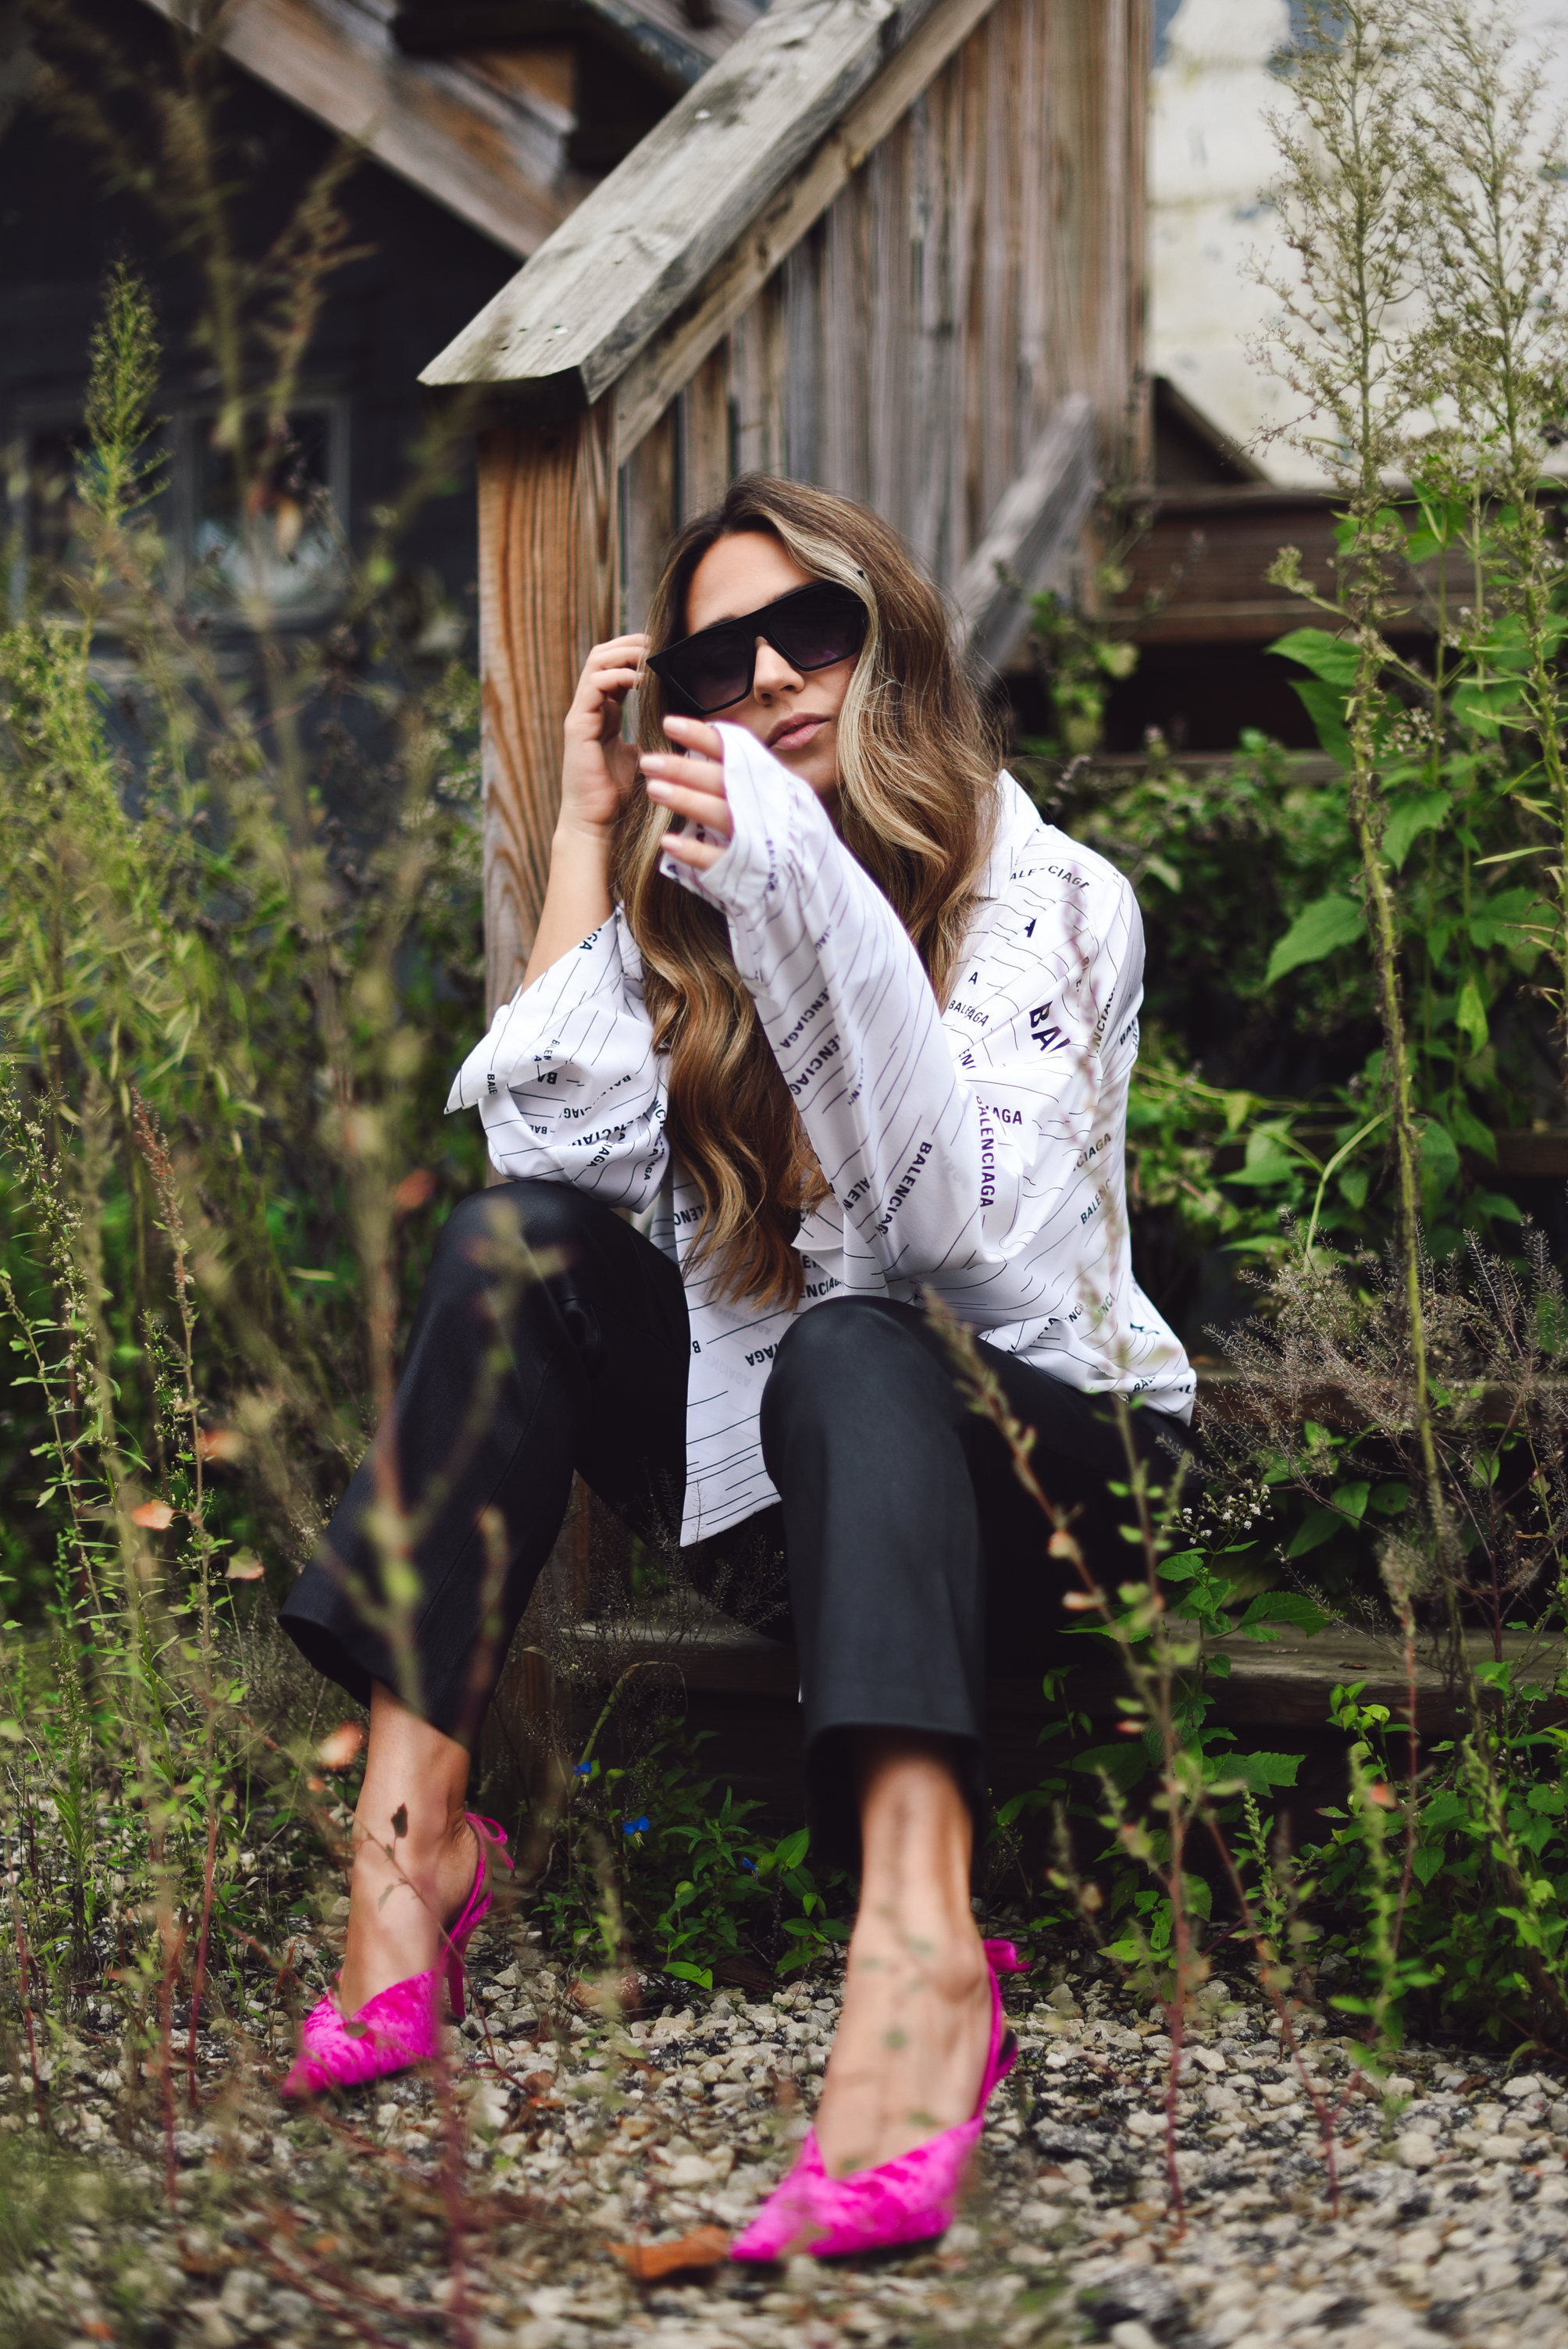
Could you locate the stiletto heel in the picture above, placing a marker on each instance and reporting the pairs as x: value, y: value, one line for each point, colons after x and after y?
x: 904, y: 2201
x: 399, y: 2026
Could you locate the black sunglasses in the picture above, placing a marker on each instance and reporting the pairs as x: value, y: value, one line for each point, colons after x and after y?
x: 811, y: 627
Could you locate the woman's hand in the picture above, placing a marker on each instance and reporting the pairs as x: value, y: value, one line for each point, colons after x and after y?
x: 692, y: 786
x: 598, y: 770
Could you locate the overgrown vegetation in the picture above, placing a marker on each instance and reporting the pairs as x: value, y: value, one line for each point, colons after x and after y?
x: 239, y: 955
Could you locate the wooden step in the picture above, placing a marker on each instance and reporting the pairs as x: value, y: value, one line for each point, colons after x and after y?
x: 1283, y: 1684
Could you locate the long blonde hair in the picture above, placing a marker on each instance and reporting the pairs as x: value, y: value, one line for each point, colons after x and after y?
x: 915, y: 805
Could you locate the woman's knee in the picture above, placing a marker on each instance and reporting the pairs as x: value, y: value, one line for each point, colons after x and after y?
x: 852, y: 1354
x: 492, y: 1238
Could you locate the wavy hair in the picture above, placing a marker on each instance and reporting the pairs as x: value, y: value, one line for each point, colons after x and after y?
x: 915, y: 808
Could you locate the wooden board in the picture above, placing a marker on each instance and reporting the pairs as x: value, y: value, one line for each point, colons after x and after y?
x: 1030, y: 535
x: 569, y: 324
x: 492, y: 149
x: 549, y: 589
x: 1284, y: 1684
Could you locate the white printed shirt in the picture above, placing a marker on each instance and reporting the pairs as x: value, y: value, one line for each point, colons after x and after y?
x: 976, y: 1153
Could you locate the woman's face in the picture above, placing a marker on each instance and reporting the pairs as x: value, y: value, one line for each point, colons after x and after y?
x: 795, y: 713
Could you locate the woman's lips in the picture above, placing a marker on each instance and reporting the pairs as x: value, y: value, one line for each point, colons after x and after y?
x: 793, y: 732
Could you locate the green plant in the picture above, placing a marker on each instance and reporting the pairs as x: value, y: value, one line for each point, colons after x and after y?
x: 695, y: 1888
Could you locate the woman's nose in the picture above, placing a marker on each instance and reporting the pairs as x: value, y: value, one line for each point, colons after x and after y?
x: 773, y: 673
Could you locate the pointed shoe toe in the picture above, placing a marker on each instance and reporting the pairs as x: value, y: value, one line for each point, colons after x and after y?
x: 787, y: 2220
x: 392, y: 2031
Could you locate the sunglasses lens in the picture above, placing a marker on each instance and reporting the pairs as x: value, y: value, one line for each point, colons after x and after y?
x: 823, y: 625
x: 713, y: 669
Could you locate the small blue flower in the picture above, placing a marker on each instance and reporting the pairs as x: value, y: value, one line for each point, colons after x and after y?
x: 583, y: 1770
x: 638, y: 1826
x: 749, y: 1867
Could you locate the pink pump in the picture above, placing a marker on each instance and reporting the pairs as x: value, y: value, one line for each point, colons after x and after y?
x: 904, y: 2201
x: 399, y: 2026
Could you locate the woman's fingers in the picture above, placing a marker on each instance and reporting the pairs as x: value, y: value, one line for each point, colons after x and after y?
x: 691, y: 786
x: 695, y: 734
x: 688, y: 850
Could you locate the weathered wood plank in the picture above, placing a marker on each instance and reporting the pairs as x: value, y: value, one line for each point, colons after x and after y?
x: 706, y: 443
x: 549, y: 589
x: 619, y: 270
x: 1035, y: 526
x: 648, y: 515
x: 757, y: 384
x: 495, y: 155
x: 1283, y: 1685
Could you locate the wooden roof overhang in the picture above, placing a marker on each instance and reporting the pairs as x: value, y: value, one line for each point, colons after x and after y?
x: 485, y: 136
x: 893, y: 246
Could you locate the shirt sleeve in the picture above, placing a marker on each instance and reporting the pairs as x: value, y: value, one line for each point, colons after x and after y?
x: 567, y: 1081
x: 976, y: 1156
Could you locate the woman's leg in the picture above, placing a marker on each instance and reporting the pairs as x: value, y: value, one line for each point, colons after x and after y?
x: 896, y: 1498
x: 515, y: 1375
x: 413, y: 1873
x: 866, y: 1440
x: 911, y: 2043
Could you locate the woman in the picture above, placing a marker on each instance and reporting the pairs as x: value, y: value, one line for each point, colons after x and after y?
x: 819, y: 993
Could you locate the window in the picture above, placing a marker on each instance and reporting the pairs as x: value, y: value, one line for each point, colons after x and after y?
x: 262, y: 530
x: 257, y: 536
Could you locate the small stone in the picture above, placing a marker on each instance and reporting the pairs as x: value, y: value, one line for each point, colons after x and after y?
x: 1130, y: 2335
x: 1398, y: 2086
x: 1416, y: 2150
x: 1530, y: 2086
x: 1146, y: 2124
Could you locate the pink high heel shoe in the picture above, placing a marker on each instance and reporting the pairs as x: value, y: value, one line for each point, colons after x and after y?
x: 399, y: 2026
x: 904, y: 2201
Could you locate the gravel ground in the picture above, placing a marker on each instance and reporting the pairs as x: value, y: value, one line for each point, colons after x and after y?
x: 487, y: 2212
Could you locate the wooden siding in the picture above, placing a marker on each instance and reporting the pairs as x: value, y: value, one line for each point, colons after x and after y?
x: 982, y: 262
x: 1205, y: 555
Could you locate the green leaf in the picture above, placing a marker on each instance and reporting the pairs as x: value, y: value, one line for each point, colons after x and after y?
x: 1319, y: 929
x: 1185, y: 1566
x: 1199, y: 1895
x: 1122, y: 1765
x: 1333, y: 658
x: 1325, y: 705
x: 1470, y: 1015
x: 1318, y: 1525
x: 1351, y: 1501
x: 1493, y: 1202
x: 1287, y: 1606
x: 701, y: 1975
x: 1410, y: 815
x: 1268, y: 1159
x: 1470, y: 1133
x: 1259, y: 1772
x: 1440, y: 1159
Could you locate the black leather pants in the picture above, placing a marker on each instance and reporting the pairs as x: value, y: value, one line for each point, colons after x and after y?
x: 913, y: 1558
